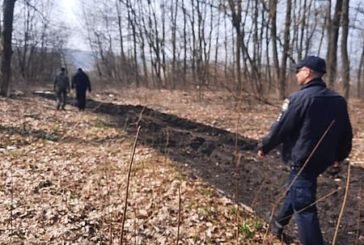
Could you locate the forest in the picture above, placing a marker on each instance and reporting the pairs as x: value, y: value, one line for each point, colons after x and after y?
x: 183, y: 91
x: 235, y: 45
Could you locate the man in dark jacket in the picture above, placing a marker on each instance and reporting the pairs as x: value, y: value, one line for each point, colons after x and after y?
x: 315, y: 132
x: 81, y: 83
x: 61, y: 88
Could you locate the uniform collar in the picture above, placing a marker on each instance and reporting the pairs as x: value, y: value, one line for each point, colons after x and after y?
x: 314, y: 82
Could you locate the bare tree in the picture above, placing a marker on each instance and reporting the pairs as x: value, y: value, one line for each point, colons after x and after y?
x: 286, y: 50
x: 173, y: 22
x: 185, y: 48
x: 236, y: 10
x: 333, y: 35
x: 132, y: 20
x: 360, y: 74
x: 6, y: 37
x: 344, y: 48
x: 171, y: 41
x: 273, y: 17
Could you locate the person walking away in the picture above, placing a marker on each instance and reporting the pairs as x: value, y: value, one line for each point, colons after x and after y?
x: 81, y: 83
x: 61, y: 88
x: 315, y: 132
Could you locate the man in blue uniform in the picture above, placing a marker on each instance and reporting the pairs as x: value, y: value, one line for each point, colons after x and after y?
x: 81, y: 82
x: 315, y: 132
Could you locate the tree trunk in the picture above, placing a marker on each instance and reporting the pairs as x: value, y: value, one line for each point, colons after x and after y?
x: 360, y: 74
x: 333, y: 29
x: 174, y: 13
x: 8, y: 15
x: 273, y: 16
x: 286, y: 50
x: 123, y: 61
x: 236, y: 9
x: 344, y: 48
x: 184, y: 44
x: 216, y: 60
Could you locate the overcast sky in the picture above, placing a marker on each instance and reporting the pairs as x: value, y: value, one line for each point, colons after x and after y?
x: 70, y: 12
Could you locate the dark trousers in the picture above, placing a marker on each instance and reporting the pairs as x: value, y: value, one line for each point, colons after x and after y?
x: 299, y: 202
x: 81, y: 99
x: 61, y: 98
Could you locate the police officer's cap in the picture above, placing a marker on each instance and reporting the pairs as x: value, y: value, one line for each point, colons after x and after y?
x: 314, y: 63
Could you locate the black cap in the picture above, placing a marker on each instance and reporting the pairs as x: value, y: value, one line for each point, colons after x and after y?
x: 314, y: 63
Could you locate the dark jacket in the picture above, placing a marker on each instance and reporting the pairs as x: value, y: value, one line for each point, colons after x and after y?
x: 81, y: 82
x: 305, y: 117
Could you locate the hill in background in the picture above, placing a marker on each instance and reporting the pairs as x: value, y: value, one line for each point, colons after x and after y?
x: 79, y: 58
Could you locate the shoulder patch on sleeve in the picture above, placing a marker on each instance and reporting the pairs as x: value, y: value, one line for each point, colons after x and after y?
x: 284, y: 108
x: 285, y: 104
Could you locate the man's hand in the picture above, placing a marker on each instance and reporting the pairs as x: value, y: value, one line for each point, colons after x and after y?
x: 334, y: 169
x: 260, y: 154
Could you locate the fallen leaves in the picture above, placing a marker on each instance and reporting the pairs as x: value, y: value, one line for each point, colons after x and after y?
x: 63, y: 180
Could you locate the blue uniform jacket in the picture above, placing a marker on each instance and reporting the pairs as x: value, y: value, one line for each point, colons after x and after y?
x: 305, y: 116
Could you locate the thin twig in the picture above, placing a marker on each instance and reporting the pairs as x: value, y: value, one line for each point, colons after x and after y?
x: 359, y: 217
x: 257, y: 193
x: 135, y: 226
x: 140, y: 117
x: 108, y: 197
x: 237, y: 198
x: 127, y: 186
x: 110, y: 235
x: 166, y: 150
x: 179, y: 213
x: 315, y: 202
x: 12, y: 199
x: 343, y: 204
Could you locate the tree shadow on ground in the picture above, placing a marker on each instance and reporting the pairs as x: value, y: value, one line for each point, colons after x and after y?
x: 212, y: 154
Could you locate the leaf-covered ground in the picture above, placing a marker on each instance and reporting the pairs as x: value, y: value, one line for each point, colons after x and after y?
x: 64, y: 173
